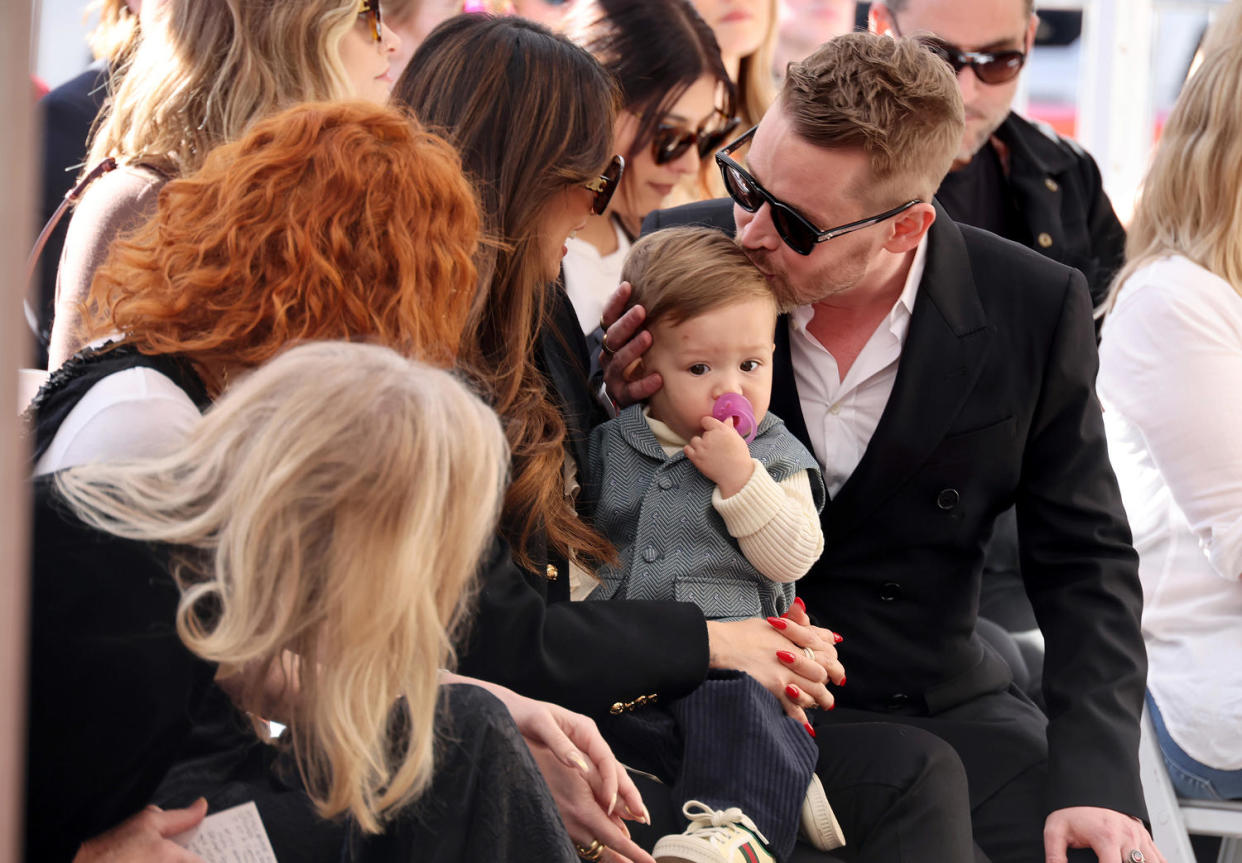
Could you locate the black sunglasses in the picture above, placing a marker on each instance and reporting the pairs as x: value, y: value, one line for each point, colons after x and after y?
x: 671, y: 142
x: 605, y: 184
x: 794, y: 228
x: 371, y: 9
x: 990, y: 67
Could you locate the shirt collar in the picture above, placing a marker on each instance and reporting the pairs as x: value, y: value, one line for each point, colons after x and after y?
x: 899, y: 318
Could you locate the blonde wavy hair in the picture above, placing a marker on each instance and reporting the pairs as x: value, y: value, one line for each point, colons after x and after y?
x: 336, y: 504
x: 756, y: 87
x: 204, y: 70
x: 116, y: 32
x: 1190, y: 203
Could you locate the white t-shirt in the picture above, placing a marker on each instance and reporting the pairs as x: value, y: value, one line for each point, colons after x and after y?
x: 130, y: 414
x: 1170, y: 378
x: 591, y: 278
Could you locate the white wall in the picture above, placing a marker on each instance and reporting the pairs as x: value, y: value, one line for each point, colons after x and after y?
x: 60, y: 41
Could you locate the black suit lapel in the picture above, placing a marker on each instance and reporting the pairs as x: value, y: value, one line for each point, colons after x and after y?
x: 944, y: 352
x: 945, y: 349
x: 785, y: 403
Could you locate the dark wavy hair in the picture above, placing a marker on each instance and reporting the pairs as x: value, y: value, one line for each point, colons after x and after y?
x: 325, y: 221
x: 532, y: 114
x: 655, y: 50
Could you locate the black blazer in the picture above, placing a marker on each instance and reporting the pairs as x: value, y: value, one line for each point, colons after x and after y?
x: 993, y: 405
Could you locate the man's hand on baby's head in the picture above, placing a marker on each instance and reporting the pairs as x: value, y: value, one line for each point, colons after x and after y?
x: 721, y: 455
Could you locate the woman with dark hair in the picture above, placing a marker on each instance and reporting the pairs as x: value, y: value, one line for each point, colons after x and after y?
x: 677, y: 105
x: 532, y: 116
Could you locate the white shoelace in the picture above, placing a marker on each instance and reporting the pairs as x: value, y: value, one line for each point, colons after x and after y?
x: 714, y: 824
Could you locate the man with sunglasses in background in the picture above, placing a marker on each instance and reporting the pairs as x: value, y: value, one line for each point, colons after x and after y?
x: 1011, y: 176
x: 940, y: 375
x: 1022, y: 181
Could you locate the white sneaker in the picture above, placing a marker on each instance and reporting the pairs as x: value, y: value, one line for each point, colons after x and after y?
x: 819, y: 825
x: 714, y: 836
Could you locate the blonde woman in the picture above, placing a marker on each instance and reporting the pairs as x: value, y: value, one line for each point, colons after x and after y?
x: 334, y: 504
x: 746, y: 31
x: 66, y: 116
x: 203, y: 72
x: 1170, y: 371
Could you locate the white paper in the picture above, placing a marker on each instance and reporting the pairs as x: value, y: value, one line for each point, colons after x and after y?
x: 232, y: 836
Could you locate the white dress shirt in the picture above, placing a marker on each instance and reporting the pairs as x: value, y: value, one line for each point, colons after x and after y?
x: 841, y: 415
x: 591, y: 278
x: 1171, y: 381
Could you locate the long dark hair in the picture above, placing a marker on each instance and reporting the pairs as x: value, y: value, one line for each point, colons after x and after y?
x: 531, y: 114
x: 655, y: 50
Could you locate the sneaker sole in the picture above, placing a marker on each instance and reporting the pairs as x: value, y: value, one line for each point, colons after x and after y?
x: 819, y: 825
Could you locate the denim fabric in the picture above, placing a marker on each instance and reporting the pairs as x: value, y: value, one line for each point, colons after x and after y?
x: 1189, y: 777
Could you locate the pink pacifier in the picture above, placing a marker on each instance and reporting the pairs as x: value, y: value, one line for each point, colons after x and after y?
x: 736, y: 407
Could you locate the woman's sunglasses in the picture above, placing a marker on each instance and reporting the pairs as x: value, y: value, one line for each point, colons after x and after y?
x: 370, y: 9
x: 990, y: 67
x: 794, y: 229
x: 671, y: 142
x: 605, y: 184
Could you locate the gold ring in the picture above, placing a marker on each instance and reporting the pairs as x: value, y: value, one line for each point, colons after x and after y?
x: 592, y: 853
x: 604, y: 345
x: 810, y: 654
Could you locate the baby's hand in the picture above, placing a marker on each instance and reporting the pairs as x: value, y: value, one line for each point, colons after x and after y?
x: 721, y: 455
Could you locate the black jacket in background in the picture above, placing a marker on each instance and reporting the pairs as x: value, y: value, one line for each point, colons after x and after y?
x: 1059, y: 196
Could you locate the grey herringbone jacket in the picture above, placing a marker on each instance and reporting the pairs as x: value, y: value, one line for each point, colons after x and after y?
x: 657, y: 510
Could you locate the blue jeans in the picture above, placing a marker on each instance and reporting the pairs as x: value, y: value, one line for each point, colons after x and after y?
x: 1189, y: 777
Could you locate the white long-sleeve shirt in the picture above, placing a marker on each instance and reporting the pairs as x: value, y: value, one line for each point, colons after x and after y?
x: 1171, y: 385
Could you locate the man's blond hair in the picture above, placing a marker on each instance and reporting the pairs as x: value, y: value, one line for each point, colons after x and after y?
x: 891, y: 98
x: 680, y: 273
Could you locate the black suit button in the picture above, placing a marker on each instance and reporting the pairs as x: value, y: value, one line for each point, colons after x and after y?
x: 897, y: 701
x: 948, y: 498
x: 889, y: 591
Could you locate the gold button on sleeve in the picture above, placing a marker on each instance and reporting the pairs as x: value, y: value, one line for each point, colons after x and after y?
x: 1044, y: 239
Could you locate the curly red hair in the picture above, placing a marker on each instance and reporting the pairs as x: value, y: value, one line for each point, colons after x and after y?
x: 325, y: 221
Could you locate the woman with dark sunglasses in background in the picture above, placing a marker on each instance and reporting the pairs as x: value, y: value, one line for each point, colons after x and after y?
x: 676, y: 109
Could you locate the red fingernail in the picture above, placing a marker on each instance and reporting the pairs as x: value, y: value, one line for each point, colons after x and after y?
x: 802, y: 605
x: 785, y: 656
x: 792, y: 691
x: 832, y: 706
x: 777, y: 623
x: 837, y: 638
x: 809, y: 729
x: 842, y: 683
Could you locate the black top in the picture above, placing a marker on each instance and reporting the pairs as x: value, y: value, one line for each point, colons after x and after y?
x: 978, y: 194
x: 112, y: 688
x: 68, y: 384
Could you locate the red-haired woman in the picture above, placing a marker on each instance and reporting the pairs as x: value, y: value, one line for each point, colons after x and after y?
x: 328, y: 221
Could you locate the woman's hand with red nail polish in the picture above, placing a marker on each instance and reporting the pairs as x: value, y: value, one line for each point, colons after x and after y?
x: 763, y: 648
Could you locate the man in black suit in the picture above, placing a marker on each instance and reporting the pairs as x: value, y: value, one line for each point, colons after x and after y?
x: 940, y: 374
